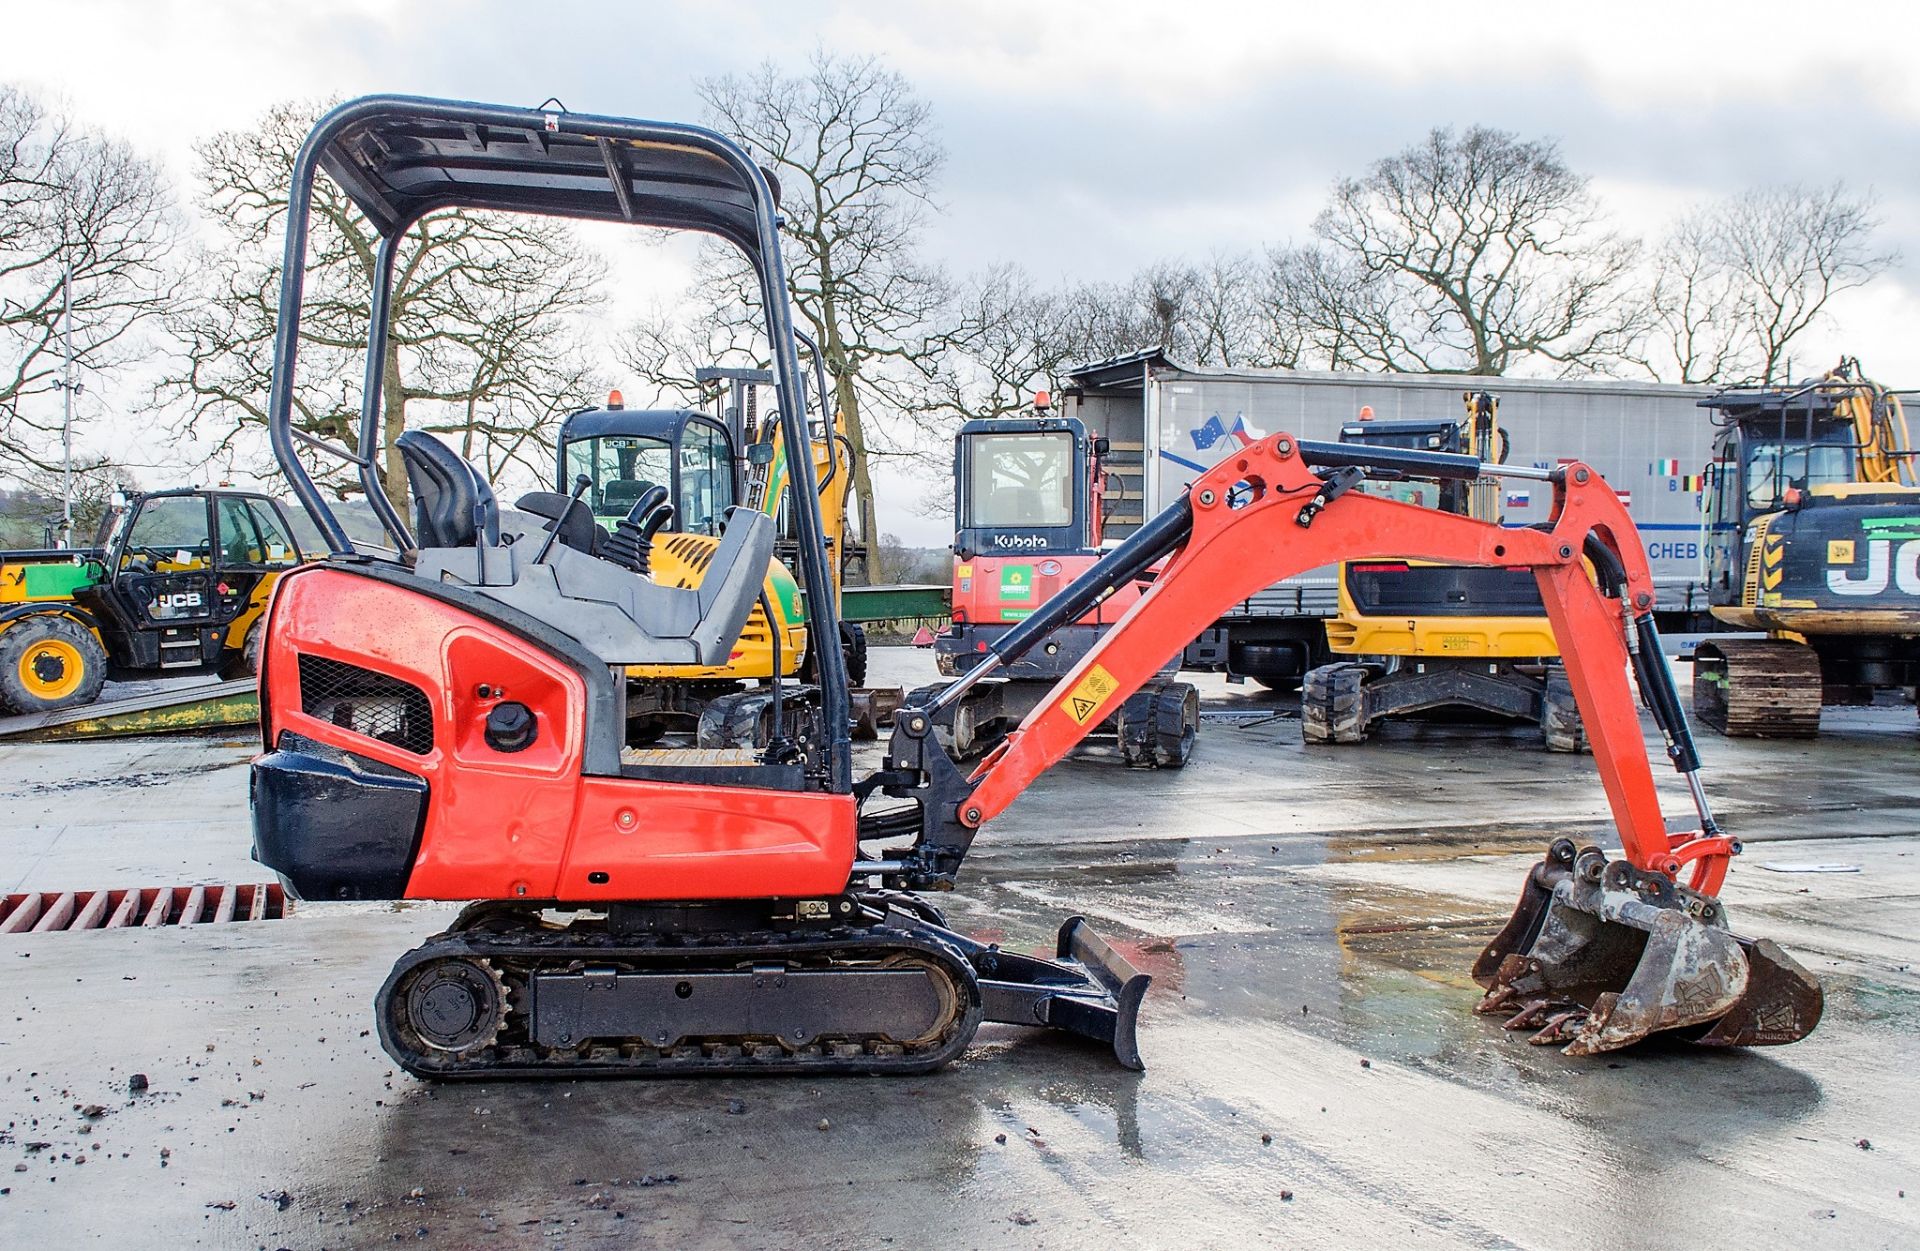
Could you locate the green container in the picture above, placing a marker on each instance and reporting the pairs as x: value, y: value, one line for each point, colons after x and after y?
x: 59, y: 581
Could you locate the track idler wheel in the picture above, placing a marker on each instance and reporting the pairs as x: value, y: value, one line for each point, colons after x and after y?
x: 1600, y: 955
x: 451, y: 1006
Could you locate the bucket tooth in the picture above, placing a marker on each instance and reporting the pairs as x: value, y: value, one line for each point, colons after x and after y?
x: 1559, y: 1027
x: 1536, y: 894
x: 1599, y: 955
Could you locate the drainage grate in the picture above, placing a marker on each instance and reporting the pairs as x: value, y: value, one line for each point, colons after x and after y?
x: 367, y: 703
x: 142, y: 906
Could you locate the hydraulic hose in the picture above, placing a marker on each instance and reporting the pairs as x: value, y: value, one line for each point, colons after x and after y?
x: 1652, y: 672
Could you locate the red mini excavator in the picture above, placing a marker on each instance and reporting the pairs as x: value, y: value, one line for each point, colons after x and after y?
x: 447, y: 725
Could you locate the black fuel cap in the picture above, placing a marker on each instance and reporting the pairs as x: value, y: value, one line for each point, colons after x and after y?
x: 511, y: 727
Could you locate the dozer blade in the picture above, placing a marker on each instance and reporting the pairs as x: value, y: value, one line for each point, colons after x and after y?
x: 1088, y: 989
x: 1599, y: 955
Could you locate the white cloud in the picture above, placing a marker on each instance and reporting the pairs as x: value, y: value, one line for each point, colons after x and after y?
x: 1088, y: 139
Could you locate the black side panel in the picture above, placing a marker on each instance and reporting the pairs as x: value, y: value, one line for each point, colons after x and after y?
x: 606, y: 696
x: 335, y: 825
x: 1443, y: 591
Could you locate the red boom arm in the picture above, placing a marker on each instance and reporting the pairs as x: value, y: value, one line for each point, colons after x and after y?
x: 1246, y: 536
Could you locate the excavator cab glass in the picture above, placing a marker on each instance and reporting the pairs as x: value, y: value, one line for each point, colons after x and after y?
x: 1021, y: 483
x: 1020, y: 479
x: 690, y: 456
x: 1773, y: 465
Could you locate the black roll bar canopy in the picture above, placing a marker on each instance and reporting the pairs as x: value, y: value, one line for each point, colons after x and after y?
x: 400, y: 158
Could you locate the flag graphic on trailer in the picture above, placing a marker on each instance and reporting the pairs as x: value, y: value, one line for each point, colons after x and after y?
x: 1664, y: 469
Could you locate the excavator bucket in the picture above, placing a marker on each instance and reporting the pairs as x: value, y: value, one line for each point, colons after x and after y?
x: 1600, y: 955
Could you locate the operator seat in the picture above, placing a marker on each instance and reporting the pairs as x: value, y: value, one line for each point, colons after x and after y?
x: 452, y: 504
x: 624, y: 618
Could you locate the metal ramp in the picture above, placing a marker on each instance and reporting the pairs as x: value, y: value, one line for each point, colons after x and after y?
x: 196, y: 705
x: 141, y: 907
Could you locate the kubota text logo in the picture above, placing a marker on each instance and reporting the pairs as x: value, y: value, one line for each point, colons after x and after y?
x: 1023, y: 541
x: 1885, y: 564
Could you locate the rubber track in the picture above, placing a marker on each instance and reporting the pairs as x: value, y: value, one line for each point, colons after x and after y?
x: 1158, y: 725
x: 1560, y: 723
x: 519, y: 954
x: 1332, y: 704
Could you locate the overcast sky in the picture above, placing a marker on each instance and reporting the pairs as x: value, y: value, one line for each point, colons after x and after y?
x: 1088, y: 139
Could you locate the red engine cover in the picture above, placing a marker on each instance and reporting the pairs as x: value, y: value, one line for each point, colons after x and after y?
x: 528, y: 824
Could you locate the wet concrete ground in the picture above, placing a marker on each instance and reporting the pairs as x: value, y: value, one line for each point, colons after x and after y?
x: 1315, y: 1075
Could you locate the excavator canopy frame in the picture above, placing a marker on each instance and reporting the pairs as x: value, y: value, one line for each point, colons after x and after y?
x: 400, y: 158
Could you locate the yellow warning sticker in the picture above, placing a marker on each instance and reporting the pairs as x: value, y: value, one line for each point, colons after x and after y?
x: 1839, y: 551
x: 1084, y: 700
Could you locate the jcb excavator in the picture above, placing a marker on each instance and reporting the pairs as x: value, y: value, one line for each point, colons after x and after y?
x: 448, y: 725
x: 680, y: 471
x: 1414, y: 637
x: 1812, y: 534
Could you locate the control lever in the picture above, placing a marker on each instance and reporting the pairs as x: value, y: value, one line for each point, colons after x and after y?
x: 580, y: 485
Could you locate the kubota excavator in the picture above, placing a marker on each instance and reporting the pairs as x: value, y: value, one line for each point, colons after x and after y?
x: 1028, y: 513
x: 448, y: 725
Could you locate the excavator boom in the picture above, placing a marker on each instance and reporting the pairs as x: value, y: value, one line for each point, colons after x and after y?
x: 1285, y: 506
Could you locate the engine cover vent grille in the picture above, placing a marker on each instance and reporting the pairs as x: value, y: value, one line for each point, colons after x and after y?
x: 367, y: 703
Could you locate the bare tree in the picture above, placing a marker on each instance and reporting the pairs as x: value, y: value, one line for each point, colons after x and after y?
x: 854, y: 151
x: 1698, y: 309
x: 71, y: 203
x: 485, y: 344
x: 1794, y: 248
x: 34, y: 514
x: 1211, y: 313
x: 1002, y: 338
x: 1738, y: 281
x: 1462, y: 254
